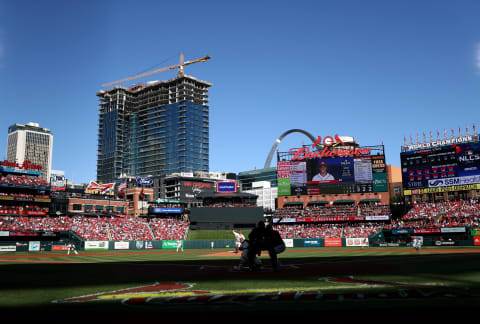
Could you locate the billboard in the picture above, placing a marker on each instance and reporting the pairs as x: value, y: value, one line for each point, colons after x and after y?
x: 58, y: 180
x: 227, y: 186
x: 438, y: 168
x: 190, y: 189
x: 335, y: 175
x: 165, y: 210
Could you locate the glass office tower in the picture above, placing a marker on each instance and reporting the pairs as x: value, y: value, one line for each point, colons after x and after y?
x: 154, y: 129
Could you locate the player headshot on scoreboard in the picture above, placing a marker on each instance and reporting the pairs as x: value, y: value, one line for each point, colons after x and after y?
x: 323, y: 175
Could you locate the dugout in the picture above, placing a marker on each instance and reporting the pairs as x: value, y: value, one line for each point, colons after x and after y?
x: 226, y: 211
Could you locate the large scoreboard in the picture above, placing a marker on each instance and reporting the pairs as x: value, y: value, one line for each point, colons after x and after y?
x: 441, y: 166
x: 334, y: 174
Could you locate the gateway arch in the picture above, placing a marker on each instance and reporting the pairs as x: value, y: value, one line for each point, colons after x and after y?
x: 275, y: 145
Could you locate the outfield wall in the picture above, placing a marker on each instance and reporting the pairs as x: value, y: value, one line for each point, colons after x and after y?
x: 35, y: 246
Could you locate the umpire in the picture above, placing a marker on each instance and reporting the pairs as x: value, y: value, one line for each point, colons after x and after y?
x: 263, y: 238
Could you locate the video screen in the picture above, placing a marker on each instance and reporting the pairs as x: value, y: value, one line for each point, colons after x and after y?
x: 332, y: 175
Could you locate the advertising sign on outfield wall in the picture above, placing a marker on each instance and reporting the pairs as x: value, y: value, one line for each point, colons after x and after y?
x: 476, y: 240
x: 169, y: 244
x: 59, y: 248
x: 357, y: 241
x: 34, y: 246
x: 121, y: 245
x: 288, y: 243
x: 89, y: 245
x: 8, y: 248
x: 312, y: 242
x: 333, y: 242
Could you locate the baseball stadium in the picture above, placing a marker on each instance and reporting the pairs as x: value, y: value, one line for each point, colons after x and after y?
x: 364, y: 242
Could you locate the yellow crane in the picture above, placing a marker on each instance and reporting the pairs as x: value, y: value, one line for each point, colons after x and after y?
x: 172, y: 67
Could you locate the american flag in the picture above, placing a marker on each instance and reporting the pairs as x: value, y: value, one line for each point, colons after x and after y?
x: 122, y: 186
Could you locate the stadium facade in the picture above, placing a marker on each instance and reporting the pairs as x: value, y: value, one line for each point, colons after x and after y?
x: 30, y: 143
x: 153, y: 129
x: 247, y: 178
x: 186, y: 186
x: 267, y: 195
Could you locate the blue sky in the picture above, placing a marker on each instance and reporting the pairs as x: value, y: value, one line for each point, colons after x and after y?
x: 374, y: 70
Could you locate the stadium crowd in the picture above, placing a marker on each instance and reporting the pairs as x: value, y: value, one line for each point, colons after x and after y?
x: 101, y: 228
x: 289, y: 231
x: 226, y: 204
x: 328, y: 210
x: 23, y: 180
x: 421, y: 215
x: 440, y: 215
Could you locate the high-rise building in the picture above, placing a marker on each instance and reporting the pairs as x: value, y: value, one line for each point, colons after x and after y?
x: 153, y: 129
x: 31, y: 143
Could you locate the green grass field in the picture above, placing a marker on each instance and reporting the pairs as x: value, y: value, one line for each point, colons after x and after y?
x: 213, y: 234
x: 129, y: 285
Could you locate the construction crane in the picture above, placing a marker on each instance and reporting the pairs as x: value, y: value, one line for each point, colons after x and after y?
x: 172, y: 67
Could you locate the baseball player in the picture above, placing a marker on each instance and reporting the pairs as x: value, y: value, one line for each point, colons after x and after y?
x: 244, y: 257
x: 179, y: 245
x: 238, y: 237
x: 278, y: 245
x: 365, y: 243
x: 71, y: 248
x: 416, y: 243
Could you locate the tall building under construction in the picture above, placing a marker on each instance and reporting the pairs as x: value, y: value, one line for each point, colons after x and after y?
x: 153, y: 129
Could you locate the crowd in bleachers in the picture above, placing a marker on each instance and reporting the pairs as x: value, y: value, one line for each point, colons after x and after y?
x: 167, y: 228
x: 25, y: 207
x: 290, y: 231
x: 421, y: 215
x: 101, y: 228
x: 328, y: 210
x: 374, y: 210
x: 226, y: 204
x: 331, y: 211
x: 439, y: 215
x: 23, y: 180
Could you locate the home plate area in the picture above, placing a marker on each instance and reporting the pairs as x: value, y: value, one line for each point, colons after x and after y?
x: 184, y: 293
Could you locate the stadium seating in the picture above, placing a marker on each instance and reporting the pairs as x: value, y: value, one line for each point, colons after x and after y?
x: 326, y: 230
x: 23, y: 180
x: 421, y: 215
x: 440, y: 215
x: 101, y: 228
x: 334, y: 211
